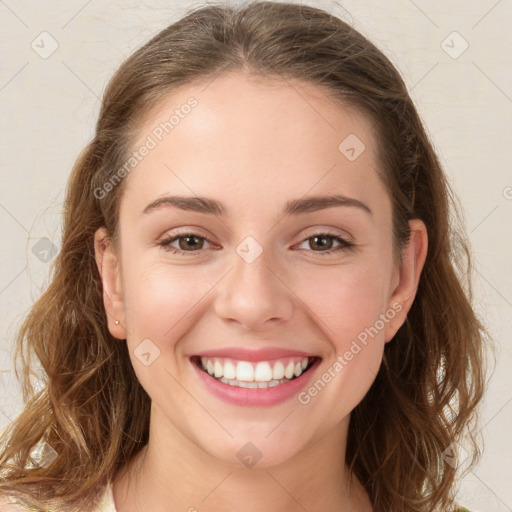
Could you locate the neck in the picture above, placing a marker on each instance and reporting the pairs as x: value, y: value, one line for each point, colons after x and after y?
x: 173, y: 474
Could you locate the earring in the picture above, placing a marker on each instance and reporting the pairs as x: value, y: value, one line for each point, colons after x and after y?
x: 117, y: 322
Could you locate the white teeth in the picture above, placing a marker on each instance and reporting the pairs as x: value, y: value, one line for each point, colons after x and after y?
x: 290, y: 369
x: 253, y: 385
x: 218, y: 370
x: 244, y: 371
x: 263, y: 372
x: 254, y: 375
x: 229, y: 370
x: 278, y: 372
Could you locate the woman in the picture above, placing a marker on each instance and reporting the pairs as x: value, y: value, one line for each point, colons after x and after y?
x: 256, y: 303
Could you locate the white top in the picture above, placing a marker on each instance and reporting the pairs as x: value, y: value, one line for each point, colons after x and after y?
x: 107, y: 502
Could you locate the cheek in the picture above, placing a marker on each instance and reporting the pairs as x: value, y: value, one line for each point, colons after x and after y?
x: 161, y: 305
x: 159, y: 297
x: 347, y: 299
x: 351, y: 304
x: 351, y: 315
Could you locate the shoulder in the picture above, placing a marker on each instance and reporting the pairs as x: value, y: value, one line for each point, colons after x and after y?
x: 106, y: 504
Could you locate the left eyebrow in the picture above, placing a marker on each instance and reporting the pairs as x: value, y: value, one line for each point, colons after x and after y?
x: 315, y: 203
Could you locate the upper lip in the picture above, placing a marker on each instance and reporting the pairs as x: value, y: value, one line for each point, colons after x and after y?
x: 263, y: 354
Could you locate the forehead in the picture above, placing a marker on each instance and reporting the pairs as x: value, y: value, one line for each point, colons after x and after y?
x: 255, y: 141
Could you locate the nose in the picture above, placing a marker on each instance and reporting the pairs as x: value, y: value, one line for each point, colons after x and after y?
x: 254, y: 295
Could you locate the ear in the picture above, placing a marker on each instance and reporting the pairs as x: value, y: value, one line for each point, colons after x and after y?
x: 110, y: 273
x: 408, y: 275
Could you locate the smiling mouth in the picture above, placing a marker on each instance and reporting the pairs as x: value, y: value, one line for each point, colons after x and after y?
x: 254, y: 375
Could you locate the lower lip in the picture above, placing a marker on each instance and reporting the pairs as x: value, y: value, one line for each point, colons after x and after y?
x: 259, y: 397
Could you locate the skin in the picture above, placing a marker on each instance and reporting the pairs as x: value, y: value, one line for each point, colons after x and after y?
x: 253, y: 145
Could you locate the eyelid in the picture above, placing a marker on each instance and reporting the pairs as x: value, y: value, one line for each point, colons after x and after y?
x: 325, y: 230
x: 185, y: 230
x: 341, y: 240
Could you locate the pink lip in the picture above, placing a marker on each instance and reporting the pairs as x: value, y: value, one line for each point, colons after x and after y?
x: 260, y: 397
x: 244, y: 354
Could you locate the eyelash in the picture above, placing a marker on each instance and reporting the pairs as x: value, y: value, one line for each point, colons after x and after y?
x: 344, y: 244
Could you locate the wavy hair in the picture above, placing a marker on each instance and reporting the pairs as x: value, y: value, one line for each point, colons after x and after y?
x: 432, y: 374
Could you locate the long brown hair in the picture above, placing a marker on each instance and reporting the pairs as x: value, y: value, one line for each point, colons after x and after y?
x: 431, y: 378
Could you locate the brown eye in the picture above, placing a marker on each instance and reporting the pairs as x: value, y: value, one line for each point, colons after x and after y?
x: 321, y: 242
x: 184, y: 244
x: 324, y: 244
x: 190, y: 242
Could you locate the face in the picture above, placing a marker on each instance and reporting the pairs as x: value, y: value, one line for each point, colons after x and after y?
x: 290, y: 300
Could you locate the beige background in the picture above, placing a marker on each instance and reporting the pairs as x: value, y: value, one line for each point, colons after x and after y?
x: 50, y: 104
